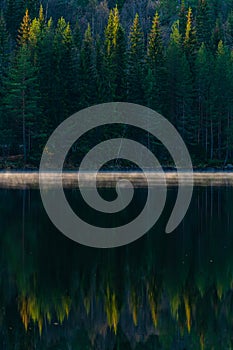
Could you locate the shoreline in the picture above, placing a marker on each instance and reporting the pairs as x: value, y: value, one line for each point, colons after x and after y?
x: 30, y: 179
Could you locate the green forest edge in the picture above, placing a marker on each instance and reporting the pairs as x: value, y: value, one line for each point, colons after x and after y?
x: 175, y: 57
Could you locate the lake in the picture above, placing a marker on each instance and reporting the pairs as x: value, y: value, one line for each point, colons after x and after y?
x: 164, y: 291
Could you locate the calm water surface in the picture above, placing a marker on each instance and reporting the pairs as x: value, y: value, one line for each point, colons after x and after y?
x: 162, y: 292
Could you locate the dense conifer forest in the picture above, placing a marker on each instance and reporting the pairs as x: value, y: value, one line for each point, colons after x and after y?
x: 58, y: 57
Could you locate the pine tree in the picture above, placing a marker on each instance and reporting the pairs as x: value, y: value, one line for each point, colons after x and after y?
x: 62, y: 86
x: 229, y: 30
x: 22, y: 100
x: 220, y: 108
x: 176, y: 36
x: 190, y: 41
x: 4, y: 63
x: 155, y: 45
x: 136, y: 62
x: 102, y: 71
x: 203, y: 78
x: 77, y: 36
x: 182, y: 19
x: 44, y: 60
x: 115, y: 59
x: 24, y: 30
x: 179, y: 89
x: 155, y: 78
x: 120, y: 57
x: 36, y: 35
x: 37, y: 27
x: 14, y: 13
x: 4, y: 50
x: 217, y: 35
x: 204, y: 27
x: 229, y: 131
x: 87, y: 72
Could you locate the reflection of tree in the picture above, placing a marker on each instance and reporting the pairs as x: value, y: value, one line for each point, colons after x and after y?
x: 159, y: 292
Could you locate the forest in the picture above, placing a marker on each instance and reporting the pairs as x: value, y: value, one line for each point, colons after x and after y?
x: 58, y: 57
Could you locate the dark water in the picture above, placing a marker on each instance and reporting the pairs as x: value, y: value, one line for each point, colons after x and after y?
x: 162, y: 292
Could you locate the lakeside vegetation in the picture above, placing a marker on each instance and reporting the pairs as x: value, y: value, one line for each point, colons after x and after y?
x: 58, y: 57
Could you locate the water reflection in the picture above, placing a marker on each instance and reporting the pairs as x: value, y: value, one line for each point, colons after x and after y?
x: 161, y: 292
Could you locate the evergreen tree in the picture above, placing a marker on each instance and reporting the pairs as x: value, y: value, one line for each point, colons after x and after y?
x: 203, y: 78
x: 220, y: 107
x: 179, y: 89
x: 182, y: 19
x: 77, y: 36
x: 87, y: 73
x: 14, y: 13
x: 155, y: 44
x: 62, y: 86
x: 229, y: 30
x: 115, y: 47
x: 190, y: 42
x: 4, y: 63
x: 136, y: 68
x: 217, y: 35
x: 102, y: 71
x: 4, y: 50
x: 24, y: 30
x: 187, y: 77
x: 204, y: 27
x: 155, y: 78
x: 36, y: 35
x: 44, y: 60
x: 22, y: 100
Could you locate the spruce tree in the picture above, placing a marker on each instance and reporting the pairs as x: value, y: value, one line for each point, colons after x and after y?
x: 63, y: 78
x: 217, y: 35
x: 179, y: 89
x: 155, y: 79
x: 14, y: 13
x: 229, y: 30
x: 102, y: 71
x: 136, y: 69
x: 155, y: 44
x: 220, y: 107
x: 46, y: 74
x: 115, y: 48
x: 182, y: 19
x: 87, y: 72
x: 190, y: 40
x: 204, y: 27
x: 4, y: 64
x: 203, y: 79
x: 24, y: 30
x: 4, y: 50
x: 22, y: 100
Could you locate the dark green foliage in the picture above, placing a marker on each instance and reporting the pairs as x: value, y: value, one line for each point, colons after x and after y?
x: 179, y: 89
x: 182, y: 19
x: 203, y: 78
x: 174, y: 58
x: 22, y: 102
x: 87, y: 73
x: 156, y: 75
x: 136, y: 63
x: 115, y: 57
x: 204, y: 25
x: 4, y: 51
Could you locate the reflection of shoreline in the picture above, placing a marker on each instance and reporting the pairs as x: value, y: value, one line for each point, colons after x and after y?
x: 107, y: 179
x: 162, y: 292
